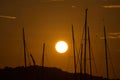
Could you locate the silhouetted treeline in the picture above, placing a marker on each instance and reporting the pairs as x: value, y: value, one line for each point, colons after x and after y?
x: 40, y: 73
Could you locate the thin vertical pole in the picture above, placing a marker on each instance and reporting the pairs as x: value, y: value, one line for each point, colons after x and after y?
x: 89, y: 52
x: 43, y: 61
x: 81, y: 58
x: 43, y: 55
x: 106, y: 53
x: 24, y: 48
x: 85, y: 41
x: 74, y: 49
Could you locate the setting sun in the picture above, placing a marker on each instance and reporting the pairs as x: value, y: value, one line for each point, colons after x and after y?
x: 61, y: 46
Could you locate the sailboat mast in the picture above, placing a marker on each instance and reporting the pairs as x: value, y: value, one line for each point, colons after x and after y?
x: 24, y: 48
x: 89, y: 51
x: 85, y: 41
x: 43, y: 61
x: 106, y: 53
x: 81, y: 58
x: 74, y: 49
x: 43, y: 55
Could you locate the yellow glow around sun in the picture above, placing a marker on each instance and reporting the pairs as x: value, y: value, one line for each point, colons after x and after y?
x: 61, y: 46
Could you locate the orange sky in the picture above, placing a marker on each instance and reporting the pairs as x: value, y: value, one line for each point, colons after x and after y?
x: 50, y: 21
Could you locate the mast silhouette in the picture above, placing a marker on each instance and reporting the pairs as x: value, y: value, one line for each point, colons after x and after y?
x: 89, y: 52
x: 81, y: 58
x: 43, y: 54
x: 74, y: 50
x: 33, y: 60
x: 24, y: 44
x: 43, y: 61
x: 106, y: 53
x: 85, y: 36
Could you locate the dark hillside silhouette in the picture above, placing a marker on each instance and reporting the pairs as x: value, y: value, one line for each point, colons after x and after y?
x: 39, y: 73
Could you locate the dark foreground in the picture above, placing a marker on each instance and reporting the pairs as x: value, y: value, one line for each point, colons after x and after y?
x: 40, y: 73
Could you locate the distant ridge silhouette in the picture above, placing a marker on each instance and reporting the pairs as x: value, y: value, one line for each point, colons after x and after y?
x: 35, y: 73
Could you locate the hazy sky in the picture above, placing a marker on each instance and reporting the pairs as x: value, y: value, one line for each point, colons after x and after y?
x: 50, y: 21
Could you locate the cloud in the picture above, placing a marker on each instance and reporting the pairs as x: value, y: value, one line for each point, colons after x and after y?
x: 115, y: 35
x: 111, y: 6
x: 73, y: 6
x: 8, y: 17
x: 111, y: 37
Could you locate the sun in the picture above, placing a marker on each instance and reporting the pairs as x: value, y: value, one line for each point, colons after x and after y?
x: 61, y: 47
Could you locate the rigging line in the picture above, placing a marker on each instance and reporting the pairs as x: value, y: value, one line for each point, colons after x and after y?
x: 81, y: 55
x: 68, y: 62
x: 89, y: 43
x: 79, y: 51
x: 74, y: 49
x: 93, y: 59
x: 82, y: 38
x: 77, y: 58
x: 27, y: 53
x: 109, y: 57
x: 28, y: 58
x: 33, y: 60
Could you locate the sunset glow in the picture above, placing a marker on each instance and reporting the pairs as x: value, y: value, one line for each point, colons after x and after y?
x: 61, y: 47
x: 60, y: 39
